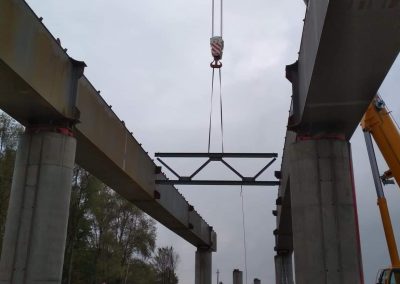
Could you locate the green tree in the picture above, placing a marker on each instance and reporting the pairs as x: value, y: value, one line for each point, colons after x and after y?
x: 10, y: 130
x: 76, y: 265
x: 121, y: 233
x: 9, y: 133
x: 134, y: 233
x: 140, y: 272
x: 109, y: 239
x: 165, y: 263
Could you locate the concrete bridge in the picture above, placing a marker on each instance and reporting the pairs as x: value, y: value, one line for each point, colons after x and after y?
x: 67, y: 121
x: 347, y: 48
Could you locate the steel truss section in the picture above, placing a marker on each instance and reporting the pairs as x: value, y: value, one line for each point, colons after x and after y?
x: 219, y: 157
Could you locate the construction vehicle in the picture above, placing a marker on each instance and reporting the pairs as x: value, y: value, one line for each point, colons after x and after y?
x: 378, y: 123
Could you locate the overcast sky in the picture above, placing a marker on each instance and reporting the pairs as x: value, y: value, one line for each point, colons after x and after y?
x: 150, y: 59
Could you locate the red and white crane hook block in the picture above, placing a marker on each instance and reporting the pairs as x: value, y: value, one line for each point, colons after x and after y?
x: 217, y: 47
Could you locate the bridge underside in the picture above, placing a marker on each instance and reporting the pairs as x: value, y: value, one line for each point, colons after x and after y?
x: 346, y: 51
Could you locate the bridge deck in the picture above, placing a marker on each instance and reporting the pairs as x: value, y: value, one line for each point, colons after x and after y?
x: 346, y: 51
x: 37, y: 86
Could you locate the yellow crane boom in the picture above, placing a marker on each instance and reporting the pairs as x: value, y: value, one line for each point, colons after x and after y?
x: 378, y: 123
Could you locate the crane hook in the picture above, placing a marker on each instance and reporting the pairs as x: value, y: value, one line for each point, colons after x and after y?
x: 217, y: 47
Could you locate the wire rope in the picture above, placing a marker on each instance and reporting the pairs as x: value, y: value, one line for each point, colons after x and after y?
x: 211, y: 110
x: 221, y: 113
x: 244, y: 233
x: 212, y: 19
x: 216, y: 64
x: 222, y: 9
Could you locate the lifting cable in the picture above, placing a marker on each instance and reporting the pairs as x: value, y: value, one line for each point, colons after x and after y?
x: 217, y: 47
x: 211, y: 109
x: 244, y: 233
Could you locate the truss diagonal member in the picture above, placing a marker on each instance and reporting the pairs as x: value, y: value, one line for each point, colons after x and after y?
x: 169, y: 168
x: 201, y: 167
x: 232, y: 169
x: 264, y: 168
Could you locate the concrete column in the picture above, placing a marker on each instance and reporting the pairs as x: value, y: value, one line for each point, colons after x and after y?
x: 324, y: 214
x: 257, y: 281
x: 37, y: 219
x: 237, y: 276
x: 284, y: 269
x: 203, y: 263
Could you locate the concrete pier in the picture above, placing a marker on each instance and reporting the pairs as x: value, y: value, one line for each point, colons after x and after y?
x: 34, y: 241
x: 324, y: 216
x: 284, y: 269
x: 203, y: 266
x: 237, y: 277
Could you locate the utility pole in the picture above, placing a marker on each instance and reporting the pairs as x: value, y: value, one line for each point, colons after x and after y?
x: 217, y: 276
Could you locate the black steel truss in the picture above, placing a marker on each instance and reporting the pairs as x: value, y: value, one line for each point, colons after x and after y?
x: 244, y: 180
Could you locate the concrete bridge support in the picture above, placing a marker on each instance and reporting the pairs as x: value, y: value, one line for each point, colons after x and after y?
x: 284, y: 269
x: 203, y: 266
x: 324, y: 215
x: 33, y: 247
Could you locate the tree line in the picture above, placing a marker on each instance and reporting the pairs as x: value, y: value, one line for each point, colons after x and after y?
x: 109, y: 240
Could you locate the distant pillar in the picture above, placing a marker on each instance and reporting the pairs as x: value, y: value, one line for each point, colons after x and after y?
x: 257, y: 281
x: 37, y: 219
x: 237, y: 276
x: 203, y: 263
x: 324, y: 214
x: 284, y: 269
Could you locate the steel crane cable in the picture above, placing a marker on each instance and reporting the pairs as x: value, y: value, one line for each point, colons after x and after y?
x: 217, y: 46
x: 244, y: 232
x: 211, y: 110
x: 212, y: 18
x: 221, y: 113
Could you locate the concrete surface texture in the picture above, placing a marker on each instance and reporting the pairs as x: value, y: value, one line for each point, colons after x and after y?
x: 203, y: 266
x: 334, y: 86
x: 283, y: 232
x: 36, y: 226
x: 324, y: 217
x: 284, y: 269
